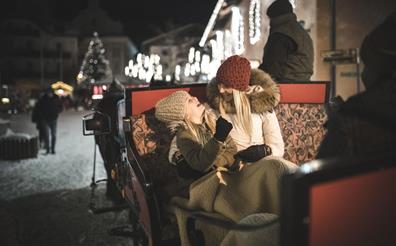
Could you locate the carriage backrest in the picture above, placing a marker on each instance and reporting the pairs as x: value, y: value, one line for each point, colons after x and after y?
x: 301, y: 114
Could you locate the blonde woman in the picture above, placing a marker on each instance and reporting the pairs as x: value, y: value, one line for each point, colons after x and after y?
x: 246, y: 98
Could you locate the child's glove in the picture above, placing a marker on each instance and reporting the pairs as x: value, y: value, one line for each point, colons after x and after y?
x: 223, y: 128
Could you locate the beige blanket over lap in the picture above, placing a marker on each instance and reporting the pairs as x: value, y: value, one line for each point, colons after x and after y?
x: 254, y: 189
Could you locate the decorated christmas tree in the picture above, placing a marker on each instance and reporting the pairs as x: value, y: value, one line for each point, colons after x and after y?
x: 95, y: 67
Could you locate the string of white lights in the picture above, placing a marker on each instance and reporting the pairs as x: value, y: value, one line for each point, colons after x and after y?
x: 211, y: 22
x: 293, y: 3
x: 145, y: 68
x: 237, y: 30
x: 254, y: 21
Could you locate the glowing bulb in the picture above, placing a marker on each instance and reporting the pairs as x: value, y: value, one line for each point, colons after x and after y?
x: 177, y: 72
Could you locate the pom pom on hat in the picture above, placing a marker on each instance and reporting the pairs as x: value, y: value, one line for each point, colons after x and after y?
x: 173, y: 107
x: 234, y: 73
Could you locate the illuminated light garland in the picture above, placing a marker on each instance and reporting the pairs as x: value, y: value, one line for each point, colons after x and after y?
x: 177, y: 72
x: 254, y: 21
x: 191, y: 55
x: 219, y: 45
x: 211, y: 23
x: 145, y: 68
x: 237, y: 29
x: 227, y: 43
x: 293, y: 3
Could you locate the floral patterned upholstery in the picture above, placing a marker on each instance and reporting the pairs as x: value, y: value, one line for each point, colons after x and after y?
x: 152, y: 141
x: 143, y: 136
x: 302, y: 130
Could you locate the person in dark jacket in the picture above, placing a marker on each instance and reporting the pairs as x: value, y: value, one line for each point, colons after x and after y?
x: 109, y: 145
x: 366, y: 122
x: 49, y: 107
x: 288, y: 53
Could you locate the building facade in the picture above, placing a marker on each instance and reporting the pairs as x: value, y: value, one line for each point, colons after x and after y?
x: 33, y: 57
x: 353, y: 20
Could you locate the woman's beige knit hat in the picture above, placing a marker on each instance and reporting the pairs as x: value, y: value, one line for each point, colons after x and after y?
x: 173, y: 107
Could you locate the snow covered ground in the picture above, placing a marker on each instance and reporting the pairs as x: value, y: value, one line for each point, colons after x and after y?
x: 69, y: 168
x: 43, y: 201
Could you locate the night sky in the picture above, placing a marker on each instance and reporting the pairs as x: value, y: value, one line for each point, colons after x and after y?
x: 142, y: 19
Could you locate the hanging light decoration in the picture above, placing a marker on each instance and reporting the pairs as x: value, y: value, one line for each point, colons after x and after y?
x: 237, y: 29
x: 227, y: 43
x: 191, y: 53
x: 293, y: 3
x: 177, y: 72
x: 145, y: 68
x: 211, y: 23
x: 220, y: 45
x: 254, y: 21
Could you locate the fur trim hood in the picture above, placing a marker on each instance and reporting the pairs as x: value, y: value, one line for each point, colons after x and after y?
x: 263, y: 94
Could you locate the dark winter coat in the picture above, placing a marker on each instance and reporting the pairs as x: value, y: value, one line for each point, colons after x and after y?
x: 49, y: 108
x: 202, y: 158
x: 288, y: 53
x: 365, y: 124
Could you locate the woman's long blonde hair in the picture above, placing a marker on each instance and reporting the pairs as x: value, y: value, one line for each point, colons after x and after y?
x: 242, y: 108
x: 200, y: 131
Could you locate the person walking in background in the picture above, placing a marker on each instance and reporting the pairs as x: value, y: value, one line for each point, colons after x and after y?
x: 288, y: 53
x: 49, y: 107
x: 366, y: 122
